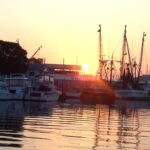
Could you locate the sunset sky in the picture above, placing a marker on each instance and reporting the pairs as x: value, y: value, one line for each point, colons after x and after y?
x: 68, y: 28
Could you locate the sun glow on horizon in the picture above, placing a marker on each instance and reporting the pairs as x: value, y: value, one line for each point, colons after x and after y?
x: 85, y: 68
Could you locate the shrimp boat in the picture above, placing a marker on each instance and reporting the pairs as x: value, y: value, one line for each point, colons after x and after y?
x: 127, y: 86
x: 98, y: 91
x: 130, y: 88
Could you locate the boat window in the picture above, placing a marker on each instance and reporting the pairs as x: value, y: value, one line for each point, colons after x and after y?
x: 44, y: 79
x: 43, y: 88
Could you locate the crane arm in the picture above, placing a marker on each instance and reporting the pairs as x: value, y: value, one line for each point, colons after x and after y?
x: 36, y: 51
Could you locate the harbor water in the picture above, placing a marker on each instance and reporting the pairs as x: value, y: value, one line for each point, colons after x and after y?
x: 124, y: 125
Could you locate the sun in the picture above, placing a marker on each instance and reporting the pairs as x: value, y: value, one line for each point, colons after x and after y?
x: 85, y: 68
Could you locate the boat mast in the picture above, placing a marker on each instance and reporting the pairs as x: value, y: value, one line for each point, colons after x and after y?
x: 125, y: 52
x: 111, y: 68
x: 141, y: 57
x: 100, y: 70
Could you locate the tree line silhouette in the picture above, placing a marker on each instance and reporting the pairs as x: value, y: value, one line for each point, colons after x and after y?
x: 13, y: 58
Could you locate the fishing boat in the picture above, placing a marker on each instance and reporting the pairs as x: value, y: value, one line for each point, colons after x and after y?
x: 130, y: 88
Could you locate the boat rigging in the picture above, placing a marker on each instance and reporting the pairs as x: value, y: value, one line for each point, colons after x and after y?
x: 125, y: 51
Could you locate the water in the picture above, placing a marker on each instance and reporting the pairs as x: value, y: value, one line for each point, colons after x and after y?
x: 67, y: 126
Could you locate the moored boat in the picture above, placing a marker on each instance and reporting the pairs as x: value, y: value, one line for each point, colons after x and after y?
x: 43, y: 90
x: 17, y: 85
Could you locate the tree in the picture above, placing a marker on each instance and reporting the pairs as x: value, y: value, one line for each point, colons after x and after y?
x: 13, y: 58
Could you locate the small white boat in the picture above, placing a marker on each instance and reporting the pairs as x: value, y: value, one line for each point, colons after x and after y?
x: 17, y: 85
x: 43, y: 90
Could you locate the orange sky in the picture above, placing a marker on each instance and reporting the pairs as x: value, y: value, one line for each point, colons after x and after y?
x: 68, y: 28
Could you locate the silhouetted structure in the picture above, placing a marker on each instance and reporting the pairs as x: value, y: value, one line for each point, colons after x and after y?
x: 13, y: 58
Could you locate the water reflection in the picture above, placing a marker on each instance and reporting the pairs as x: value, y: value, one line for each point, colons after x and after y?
x: 12, y: 114
x: 37, y: 125
x: 132, y: 116
x: 11, y: 122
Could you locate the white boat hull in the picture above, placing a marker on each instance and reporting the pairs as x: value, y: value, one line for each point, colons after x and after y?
x: 42, y: 96
x: 5, y: 94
